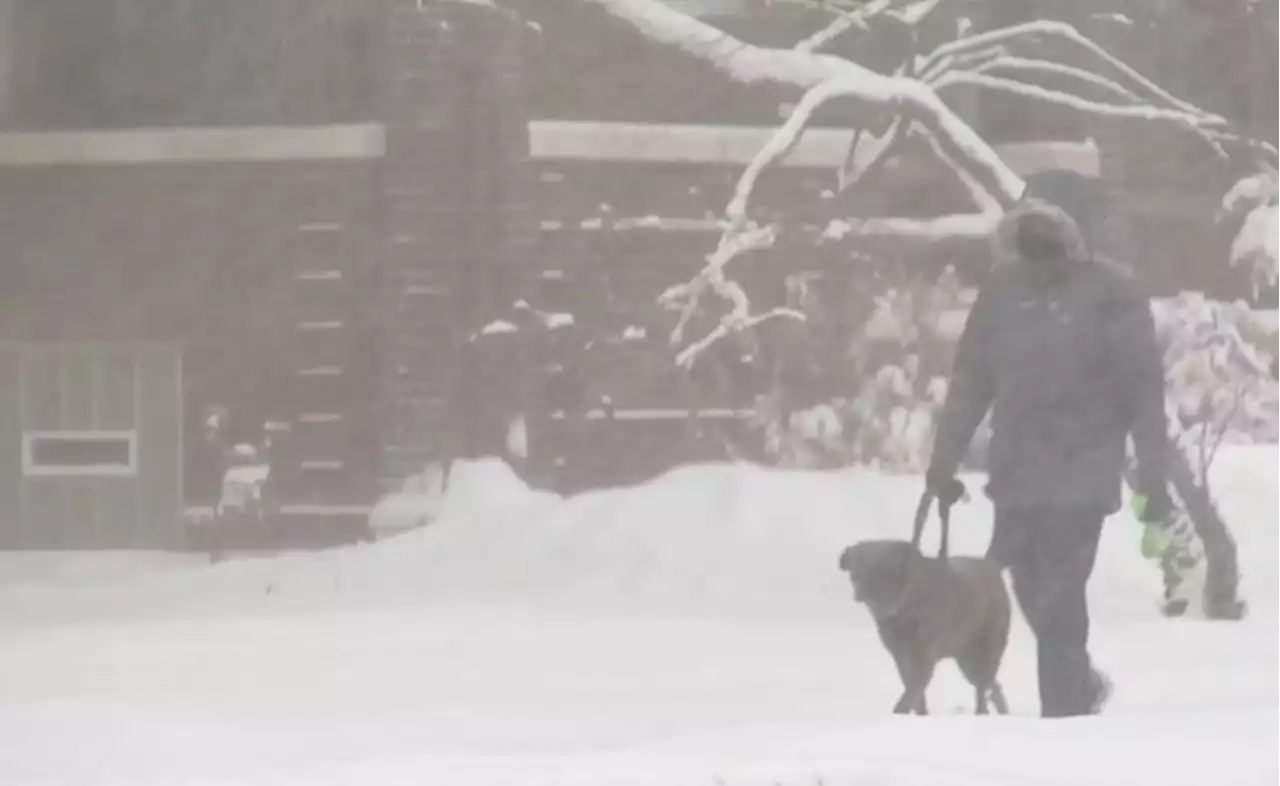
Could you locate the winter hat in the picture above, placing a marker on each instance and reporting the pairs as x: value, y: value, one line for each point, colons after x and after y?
x: 1076, y: 194
x: 1038, y: 240
x: 1037, y: 231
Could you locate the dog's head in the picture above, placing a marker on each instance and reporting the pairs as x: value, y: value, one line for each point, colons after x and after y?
x: 880, y: 571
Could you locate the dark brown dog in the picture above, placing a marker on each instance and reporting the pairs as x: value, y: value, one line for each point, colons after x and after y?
x: 927, y: 610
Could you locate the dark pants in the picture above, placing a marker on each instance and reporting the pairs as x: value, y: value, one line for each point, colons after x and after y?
x: 1050, y: 553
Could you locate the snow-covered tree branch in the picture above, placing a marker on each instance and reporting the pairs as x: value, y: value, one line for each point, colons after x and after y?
x: 943, y: 57
x: 987, y: 60
x: 849, y: 20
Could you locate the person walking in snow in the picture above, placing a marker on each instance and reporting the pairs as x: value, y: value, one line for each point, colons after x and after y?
x: 1061, y: 348
x: 1194, y: 548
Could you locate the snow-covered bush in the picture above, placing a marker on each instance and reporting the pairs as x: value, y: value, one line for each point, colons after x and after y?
x: 1220, y: 387
x: 1251, y: 206
x: 901, y: 359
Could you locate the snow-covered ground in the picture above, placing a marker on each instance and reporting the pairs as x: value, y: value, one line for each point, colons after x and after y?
x: 691, y: 631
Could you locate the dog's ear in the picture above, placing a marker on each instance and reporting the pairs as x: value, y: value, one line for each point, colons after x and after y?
x: 846, y: 560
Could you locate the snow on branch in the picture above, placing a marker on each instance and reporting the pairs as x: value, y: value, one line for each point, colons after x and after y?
x: 960, y: 226
x: 833, y: 77
x: 1060, y: 98
x: 981, y: 197
x: 686, y: 297
x: 736, y: 59
x: 1148, y: 91
x: 1248, y: 193
x: 913, y: 98
x: 730, y: 323
x: 1251, y: 204
x: 972, y: 226
x: 976, y: 60
x: 1031, y: 66
x: 842, y: 24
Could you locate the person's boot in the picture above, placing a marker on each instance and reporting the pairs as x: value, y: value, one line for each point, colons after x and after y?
x: 1178, y: 591
x: 1071, y: 687
x: 1101, y: 688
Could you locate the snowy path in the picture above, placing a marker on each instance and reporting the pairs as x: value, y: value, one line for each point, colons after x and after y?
x: 689, y: 630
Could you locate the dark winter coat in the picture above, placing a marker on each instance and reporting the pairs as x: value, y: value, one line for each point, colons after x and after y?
x: 1068, y: 366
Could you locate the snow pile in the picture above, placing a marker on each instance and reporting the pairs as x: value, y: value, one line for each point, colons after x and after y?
x: 475, y: 488
x: 726, y: 538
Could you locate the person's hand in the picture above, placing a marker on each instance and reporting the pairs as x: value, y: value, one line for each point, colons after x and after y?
x: 1152, y: 508
x: 946, y: 489
x: 1155, y: 513
x: 1156, y: 540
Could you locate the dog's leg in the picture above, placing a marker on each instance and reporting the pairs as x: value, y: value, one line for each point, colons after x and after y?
x: 906, y: 658
x: 998, y: 700
x: 904, y: 705
x: 911, y: 703
x: 980, y: 703
x: 916, y: 680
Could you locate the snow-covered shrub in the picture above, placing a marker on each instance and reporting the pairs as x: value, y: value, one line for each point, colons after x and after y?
x: 1220, y: 386
x: 1251, y: 206
x: 902, y: 358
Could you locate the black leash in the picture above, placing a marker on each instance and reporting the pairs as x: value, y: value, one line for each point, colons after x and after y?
x: 922, y: 515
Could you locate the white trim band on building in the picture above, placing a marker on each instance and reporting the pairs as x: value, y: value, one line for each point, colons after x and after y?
x: 738, y: 145
x: 561, y: 140
x: 193, y: 145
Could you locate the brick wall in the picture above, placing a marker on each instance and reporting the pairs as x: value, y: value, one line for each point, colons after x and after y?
x: 456, y: 219
x: 155, y: 63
